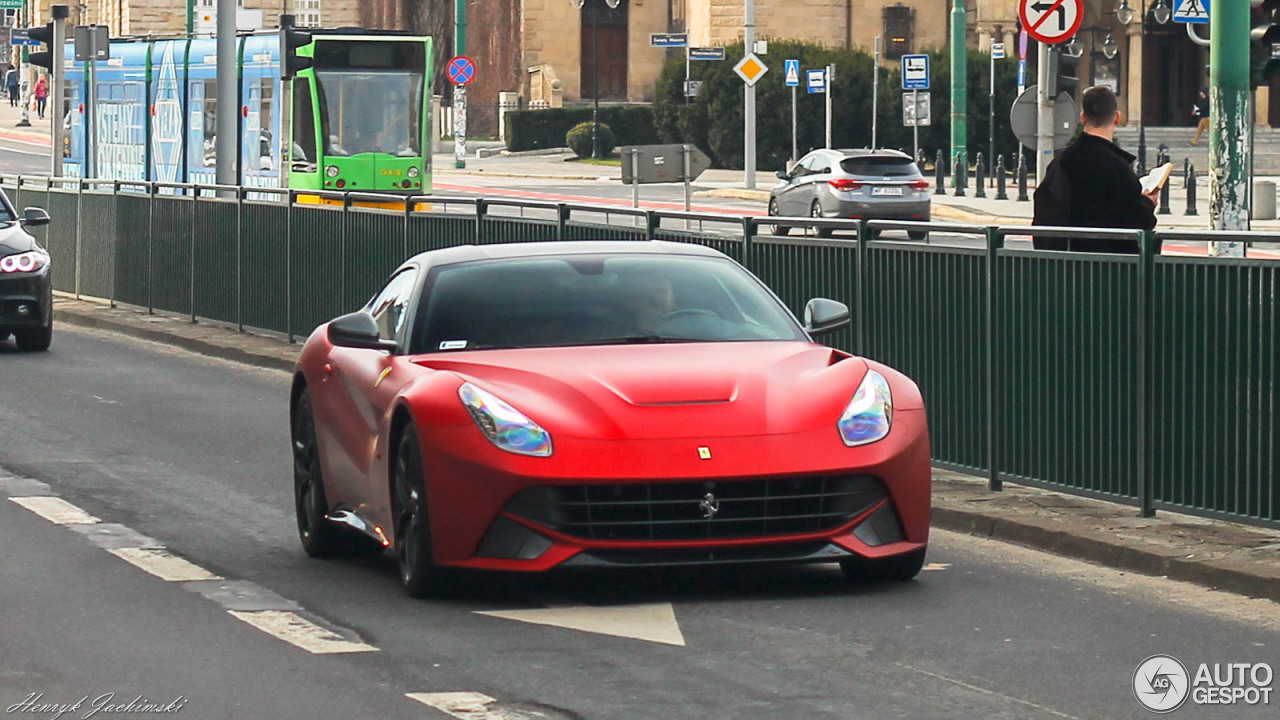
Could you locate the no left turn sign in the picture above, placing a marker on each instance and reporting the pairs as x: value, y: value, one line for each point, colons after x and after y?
x: 1051, y: 21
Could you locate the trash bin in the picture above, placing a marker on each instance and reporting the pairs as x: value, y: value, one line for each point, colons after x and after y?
x: 1264, y: 200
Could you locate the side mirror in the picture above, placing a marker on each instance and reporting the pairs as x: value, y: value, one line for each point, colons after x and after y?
x: 33, y: 216
x: 782, y: 174
x: 358, y: 330
x: 822, y: 316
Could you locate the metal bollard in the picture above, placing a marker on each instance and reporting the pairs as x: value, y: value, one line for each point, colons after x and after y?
x: 961, y: 179
x: 940, y: 176
x: 1191, y: 190
x: 1000, y: 191
x: 1022, y: 179
x: 980, y: 184
x: 1164, y: 200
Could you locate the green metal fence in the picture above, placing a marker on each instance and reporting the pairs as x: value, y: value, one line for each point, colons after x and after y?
x: 1146, y: 379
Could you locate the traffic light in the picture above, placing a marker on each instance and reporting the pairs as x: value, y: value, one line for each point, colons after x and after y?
x: 1264, y: 41
x: 291, y: 40
x: 1064, y: 72
x: 43, y: 58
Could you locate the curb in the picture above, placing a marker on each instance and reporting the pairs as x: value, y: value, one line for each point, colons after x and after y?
x: 483, y: 173
x: 28, y: 137
x: 1104, y: 552
x: 735, y: 194
x: 196, y: 345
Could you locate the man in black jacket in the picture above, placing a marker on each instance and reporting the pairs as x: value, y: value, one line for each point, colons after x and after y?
x: 1092, y: 184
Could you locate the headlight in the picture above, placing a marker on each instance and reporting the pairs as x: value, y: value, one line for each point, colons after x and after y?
x: 869, y: 414
x: 413, y: 171
x: 23, y: 262
x: 505, y: 426
x: 331, y: 171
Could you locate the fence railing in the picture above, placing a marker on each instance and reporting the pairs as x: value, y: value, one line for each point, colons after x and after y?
x: 1147, y: 379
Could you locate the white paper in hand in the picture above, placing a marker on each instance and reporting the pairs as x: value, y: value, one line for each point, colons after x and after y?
x: 1156, y: 179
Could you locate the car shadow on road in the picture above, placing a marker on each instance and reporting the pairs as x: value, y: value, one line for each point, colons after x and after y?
x: 604, y: 587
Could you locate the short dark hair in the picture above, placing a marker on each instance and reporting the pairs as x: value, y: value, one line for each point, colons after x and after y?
x: 1098, y: 104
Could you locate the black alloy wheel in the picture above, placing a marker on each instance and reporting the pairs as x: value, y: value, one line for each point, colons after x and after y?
x: 420, y: 575
x: 779, y: 230
x: 320, y: 538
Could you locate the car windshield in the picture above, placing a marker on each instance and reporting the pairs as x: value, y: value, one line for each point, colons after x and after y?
x: 880, y: 166
x: 596, y: 300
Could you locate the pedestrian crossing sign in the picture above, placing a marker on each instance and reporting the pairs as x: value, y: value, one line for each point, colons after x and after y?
x: 793, y: 73
x: 1192, y: 11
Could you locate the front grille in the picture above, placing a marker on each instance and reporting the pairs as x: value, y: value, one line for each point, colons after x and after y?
x: 746, y: 508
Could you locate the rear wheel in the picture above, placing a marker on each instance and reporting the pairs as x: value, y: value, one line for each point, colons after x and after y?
x: 418, y: 571
x: 815, y: 211
x: 34, y: 340
x: 779, y: 230
x: 319, y: 537
x: 897, y: 568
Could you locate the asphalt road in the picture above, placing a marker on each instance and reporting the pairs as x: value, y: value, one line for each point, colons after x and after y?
x: 23, y: 158
x: 192, y: 454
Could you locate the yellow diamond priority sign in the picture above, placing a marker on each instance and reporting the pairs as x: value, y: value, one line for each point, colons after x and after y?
x: 750, y: 68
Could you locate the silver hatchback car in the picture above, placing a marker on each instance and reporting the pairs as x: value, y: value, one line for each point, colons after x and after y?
x: 871, y: 184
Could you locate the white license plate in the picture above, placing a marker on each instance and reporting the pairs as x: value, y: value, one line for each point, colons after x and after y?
x: 896, y: 191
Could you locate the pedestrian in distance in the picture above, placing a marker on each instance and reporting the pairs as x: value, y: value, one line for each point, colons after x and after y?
x: 1091, y: 184
x: 11, y: 82
x: 1201, y: 110
x: 42, y: 95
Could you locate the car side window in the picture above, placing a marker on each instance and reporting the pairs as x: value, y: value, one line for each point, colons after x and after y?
x: 821, y: 165
x: 390, y: 307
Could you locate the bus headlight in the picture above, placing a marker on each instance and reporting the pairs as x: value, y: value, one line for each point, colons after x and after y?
x: 331, y: 171
x: 413, y: 171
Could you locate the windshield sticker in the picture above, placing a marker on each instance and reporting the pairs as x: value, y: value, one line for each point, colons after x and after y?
x: 453, y: 344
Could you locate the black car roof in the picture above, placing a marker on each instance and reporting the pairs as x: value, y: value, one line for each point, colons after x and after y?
x: 498, y: 251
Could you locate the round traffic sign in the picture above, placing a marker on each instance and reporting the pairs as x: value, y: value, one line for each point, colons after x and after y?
x: 461, y: 70
x: 1051, y: 21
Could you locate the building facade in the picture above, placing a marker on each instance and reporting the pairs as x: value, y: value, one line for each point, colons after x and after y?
x: 127, y: 18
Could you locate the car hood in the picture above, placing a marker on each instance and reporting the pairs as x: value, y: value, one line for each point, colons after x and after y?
x: 667, y: 390
x: 13, y: 239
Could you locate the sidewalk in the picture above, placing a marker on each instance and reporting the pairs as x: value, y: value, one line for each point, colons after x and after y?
x: 1235, y: 558
x: 38, y: 133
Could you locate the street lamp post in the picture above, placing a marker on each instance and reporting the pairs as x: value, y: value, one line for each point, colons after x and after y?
x: 597, y: 151
x: 1160, y: 11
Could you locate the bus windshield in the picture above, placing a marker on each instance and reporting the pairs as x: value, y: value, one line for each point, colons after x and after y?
x: 367, y: 111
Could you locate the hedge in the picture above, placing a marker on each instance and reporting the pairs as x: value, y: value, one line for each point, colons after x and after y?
x: 542, y: 129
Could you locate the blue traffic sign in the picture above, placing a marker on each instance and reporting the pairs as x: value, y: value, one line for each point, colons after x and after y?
x: 20, y: 36
x: 791, y: 69
x: 461, y: 70
x: 915, y: 72
x: 1022, y: 73
x: 1195, y: 12
x: 816, y: 80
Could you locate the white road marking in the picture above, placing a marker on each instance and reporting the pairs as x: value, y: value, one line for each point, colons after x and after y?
x: 162, y: 564
x: 56, y: 510
x: 937, y: 566
x: 300, y: 632
x: 651, y: 623
x: 23, y: 152
x: 466, y: 705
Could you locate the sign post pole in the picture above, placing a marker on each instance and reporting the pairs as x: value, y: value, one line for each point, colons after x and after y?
x: 1050, y: 23
x: 635, y: 177
x: 749, y: 103
x: 875, y: 91
x: 827, y: 87
x: 90, y: 119
x: 792, y: 79
x: 991, y: 115
x: 915, y: 124
x: 58, y: 69
x: 461, y: 71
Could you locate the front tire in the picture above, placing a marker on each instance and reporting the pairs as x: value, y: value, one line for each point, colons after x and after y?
x: 898, y: 568
x: 779, y: 230
x: 421, y: 576
x: 34, y: 340
x: 320, y: 538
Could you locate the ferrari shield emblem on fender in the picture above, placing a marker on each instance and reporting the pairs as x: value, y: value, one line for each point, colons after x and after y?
x: 704, y: 453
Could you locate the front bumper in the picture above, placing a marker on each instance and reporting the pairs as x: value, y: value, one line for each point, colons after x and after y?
x: 478, y: 519
x: 26, y: 300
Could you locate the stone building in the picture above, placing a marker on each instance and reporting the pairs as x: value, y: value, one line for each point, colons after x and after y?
x: 169, y: 17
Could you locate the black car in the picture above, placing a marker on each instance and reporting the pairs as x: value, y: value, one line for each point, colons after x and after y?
x: 26, y: 286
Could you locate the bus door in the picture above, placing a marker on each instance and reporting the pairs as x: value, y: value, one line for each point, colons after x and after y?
x: 260, y: 113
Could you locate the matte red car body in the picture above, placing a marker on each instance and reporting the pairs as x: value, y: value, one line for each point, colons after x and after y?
x: 616, y: 414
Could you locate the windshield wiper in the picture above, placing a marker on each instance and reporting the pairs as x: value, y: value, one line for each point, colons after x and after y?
x: 640, y: 340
